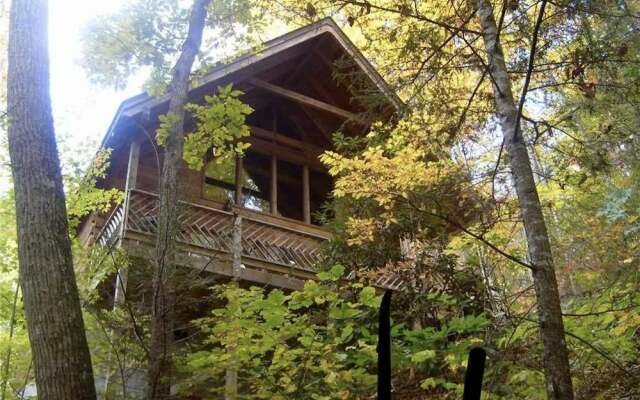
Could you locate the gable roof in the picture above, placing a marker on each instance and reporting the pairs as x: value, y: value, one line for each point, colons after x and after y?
x: 143, y: 102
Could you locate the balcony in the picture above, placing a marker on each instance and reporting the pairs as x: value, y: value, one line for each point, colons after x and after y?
x: 274, y: 250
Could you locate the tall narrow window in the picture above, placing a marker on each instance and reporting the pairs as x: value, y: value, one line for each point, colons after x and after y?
x: 290, y: 190
x: 256, y: 183
x: 219, y: 181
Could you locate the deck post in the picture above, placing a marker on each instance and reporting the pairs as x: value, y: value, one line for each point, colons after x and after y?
x: 306, y: 194
x: 130, y: 184
x: 236, y: 245
x: 273, y: 203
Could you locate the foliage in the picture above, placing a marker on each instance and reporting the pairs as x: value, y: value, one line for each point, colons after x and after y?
x: 404, y: 192
x: 84, y: 196
x: 146, y: 35
x: 221, y: 123
x: 399, y: 167
x: 312, y: 344
x: 319, y: 342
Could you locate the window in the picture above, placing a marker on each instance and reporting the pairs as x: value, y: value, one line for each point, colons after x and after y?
x: 256, y: 181
x: 290, y: 190
x: 219, y: 181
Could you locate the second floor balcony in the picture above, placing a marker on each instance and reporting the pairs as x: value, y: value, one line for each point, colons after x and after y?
x: 273, y: 250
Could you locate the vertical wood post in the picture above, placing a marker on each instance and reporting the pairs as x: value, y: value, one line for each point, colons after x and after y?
x: 119, y: 294
x: 306, y: 194
x: 236, y: 245
x: 273, y: 203
x: 132, y: 166
x: 130, y: 184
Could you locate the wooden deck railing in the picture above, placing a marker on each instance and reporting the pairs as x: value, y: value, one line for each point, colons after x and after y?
x: 264, y: 238
x: 110, y: 232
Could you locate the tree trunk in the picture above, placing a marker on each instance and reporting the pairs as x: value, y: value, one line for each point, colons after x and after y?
x: 158, y: 382
x: 555, y: 355
x: 61, y: 358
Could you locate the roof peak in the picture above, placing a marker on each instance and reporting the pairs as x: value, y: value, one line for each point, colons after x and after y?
x: 143, y: 102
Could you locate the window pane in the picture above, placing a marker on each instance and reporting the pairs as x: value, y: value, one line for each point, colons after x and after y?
x: 256, y: 183
x: 219, y: 177
x: 321, y: 185
x: 290, y: 190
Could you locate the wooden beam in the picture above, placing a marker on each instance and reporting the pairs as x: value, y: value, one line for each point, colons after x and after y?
x: 306, y: 195
x: 273, y: 176
x: 274, y: 185
x: 132, y: 166
x: 304, y: 64
x: 305, y: 100
x: 281, y: 139
x: 284, y: 153
x: 322, y: 126
x: 119, y: 296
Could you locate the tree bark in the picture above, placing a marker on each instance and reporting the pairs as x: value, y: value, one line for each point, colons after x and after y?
x: 555, y: 356
x: 159, y: 368
x: 61, y: 357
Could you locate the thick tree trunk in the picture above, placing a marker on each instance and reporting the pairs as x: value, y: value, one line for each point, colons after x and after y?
x: 555, y: 355
x: 61, y: 358
x: 159, y: 369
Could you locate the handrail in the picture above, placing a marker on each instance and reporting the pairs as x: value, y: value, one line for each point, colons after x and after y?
x: 107, y: 221
x: 255, y: 216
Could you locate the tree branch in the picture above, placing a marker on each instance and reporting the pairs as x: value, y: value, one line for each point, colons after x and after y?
x: 527, y: 78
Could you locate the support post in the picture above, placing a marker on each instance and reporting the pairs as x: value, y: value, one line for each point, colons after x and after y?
x: 273, y: 203
x: 306, y: 194
x: 119, y: 294
x: 236, y: 245
x: 130, y: 184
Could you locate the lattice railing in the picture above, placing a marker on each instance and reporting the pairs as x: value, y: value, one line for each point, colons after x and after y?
x: 269, y: 242
x: 262, y: 238
x: 199, y: 226
x: 212, y: 229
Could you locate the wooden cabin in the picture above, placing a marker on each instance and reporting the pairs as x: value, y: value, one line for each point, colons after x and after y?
x: 303, y: 87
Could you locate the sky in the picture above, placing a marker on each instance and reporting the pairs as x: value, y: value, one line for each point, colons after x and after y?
x: 82, y: 111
